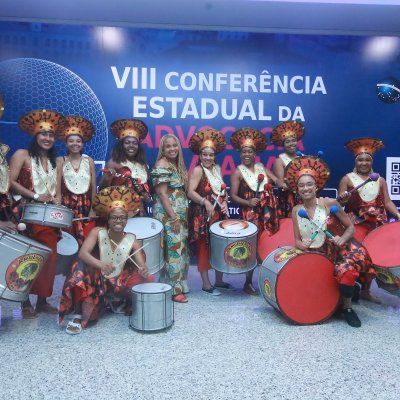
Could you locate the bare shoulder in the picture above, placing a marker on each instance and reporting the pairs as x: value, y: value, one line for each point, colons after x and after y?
x: 196, y: 171
x: 161, y: 163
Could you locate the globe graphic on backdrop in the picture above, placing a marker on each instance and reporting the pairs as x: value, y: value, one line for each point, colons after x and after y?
x: 31, y: 83
x: 388, y: 90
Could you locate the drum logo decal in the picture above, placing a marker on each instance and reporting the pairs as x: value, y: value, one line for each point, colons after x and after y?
x: 57, y: 215
x: 386, y: 279
x: 267, y: 288
x: 237, y: 254
x: 233, y: 225
x: 23, y: 271
x: 286, y: 254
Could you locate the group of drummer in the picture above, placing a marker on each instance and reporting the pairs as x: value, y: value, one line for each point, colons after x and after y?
x: 110, y: 261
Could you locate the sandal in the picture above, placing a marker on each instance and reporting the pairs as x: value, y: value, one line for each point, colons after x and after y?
x: 29, y: 313
x: 180, y: 298
x: 73, y: 328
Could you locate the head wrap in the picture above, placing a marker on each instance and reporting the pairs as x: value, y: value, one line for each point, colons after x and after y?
x: 364, y: 146
x: 37, y: 121
x: 123, y: 128
x: 77, y: 126
x: 207, y: 137
x: 114, y: 197
x: 249, y: 137
x: 307, y: 165
x: 286, y: 130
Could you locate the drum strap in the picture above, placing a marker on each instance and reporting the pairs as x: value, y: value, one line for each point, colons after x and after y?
x: 77, y: 182
x: 369, y: 191
x: 285, y: 158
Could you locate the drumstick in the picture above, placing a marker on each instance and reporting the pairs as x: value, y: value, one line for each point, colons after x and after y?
x: 260, y: 178
x: 223, y: 187
x: 373, y: 177
x: 80, y: 219
x: 129, y: 256
x: 303, y: 214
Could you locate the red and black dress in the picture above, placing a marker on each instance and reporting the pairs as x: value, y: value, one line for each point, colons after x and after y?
x: 138, y: 181
x: 352, y: 261
x: 265, y: 215
x: 76, y: 189
x: 87, y: 286
x: 286, y: 198
x: 366, y: 206
x: 29, y: 178
x: 208, y: 188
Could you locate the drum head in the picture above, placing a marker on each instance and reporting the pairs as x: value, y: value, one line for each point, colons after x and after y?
x: 383, y: 245
x: 143, y: 227
x: 25, y: 240
x: 68, y: 245
x: 233, y: 228
x: 284, y: 237
x: 151, y: 287
x: 306, y: 290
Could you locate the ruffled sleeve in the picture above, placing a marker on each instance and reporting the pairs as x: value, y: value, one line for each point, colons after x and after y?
x: 161, y: 175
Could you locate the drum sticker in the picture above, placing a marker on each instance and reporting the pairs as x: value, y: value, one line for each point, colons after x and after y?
x: 237, y: 254
x: 233, y: 225
x: 23, y: 271
x: 286, y: 254
x: 267, y: 288
x: 57, y: 215
x: 387, y: 280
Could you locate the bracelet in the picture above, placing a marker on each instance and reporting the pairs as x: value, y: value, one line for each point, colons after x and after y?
x: 172, y: 220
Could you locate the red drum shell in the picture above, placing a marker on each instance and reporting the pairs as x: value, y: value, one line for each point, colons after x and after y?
x: 301, y: 285
x: 284, y: 237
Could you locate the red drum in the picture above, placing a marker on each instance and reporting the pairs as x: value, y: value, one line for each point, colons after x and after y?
x: 299, y: 284
x: 383, y: 246
x: 284, y: 237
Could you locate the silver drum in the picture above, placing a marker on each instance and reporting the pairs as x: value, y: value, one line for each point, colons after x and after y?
x: 47, y: 215
x: 152, y: 307
x: 67, y: 253
x: 21, y: 262
x: 150, y: 232
x: 233, y: 246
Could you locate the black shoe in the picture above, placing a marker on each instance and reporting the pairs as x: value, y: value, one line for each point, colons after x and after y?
x: 351, y: 317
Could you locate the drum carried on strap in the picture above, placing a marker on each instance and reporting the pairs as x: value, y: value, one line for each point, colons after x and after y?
x: 383, y: 246
x: 47, y: 215
x: 149, y: 231
x: 284, y: 237
x: 152, y: 307
x: 233, y: 244
x: 299, y: 284
x: 21, y: 262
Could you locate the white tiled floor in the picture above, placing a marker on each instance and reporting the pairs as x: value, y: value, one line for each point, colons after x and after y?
x: 229, y: 347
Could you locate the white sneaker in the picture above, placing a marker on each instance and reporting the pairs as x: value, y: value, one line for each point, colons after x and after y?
x: 212, y: 291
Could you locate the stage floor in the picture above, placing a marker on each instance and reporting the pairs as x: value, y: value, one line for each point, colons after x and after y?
x: 233, y: 346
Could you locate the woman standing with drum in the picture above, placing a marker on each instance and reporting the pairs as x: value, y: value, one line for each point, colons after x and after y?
x: 205, y: 187
x: 286, y: 134
x: 127, y: 165
x: 321, y: 225
x: 111, y: 262
x: 76, y: 181
x: 251, y: 189
x: 33, y: 176
x: 367, y: 206
x: 169, y: 178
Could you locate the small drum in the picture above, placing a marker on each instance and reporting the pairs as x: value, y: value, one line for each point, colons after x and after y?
x: 284, y: 237
x: 383, y: 246
x: 233, y: 244
x: 299, y: 284
x: 149, y: 231
x: 67, y: 253
x: 47, y: 215
x: 152, y: 307
x: 21, y: 261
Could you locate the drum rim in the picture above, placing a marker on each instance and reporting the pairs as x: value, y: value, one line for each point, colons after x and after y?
x: 149, y: 218
x: 157, y: 283
x: 249, y: 222
x: 27, y: 240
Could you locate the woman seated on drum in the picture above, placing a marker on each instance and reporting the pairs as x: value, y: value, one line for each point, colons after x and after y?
x: 169, y: 178
x: 33, y: 175
x: 111, y: 263
x: 127, y: 165
x: 251, y: 189
x: 76, y: 181
x: 205, y: 188
x: 287, y: 134
x: 306, y: 175
x: 367, y: 207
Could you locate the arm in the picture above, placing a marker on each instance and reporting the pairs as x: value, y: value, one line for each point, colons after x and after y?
x: 279, y: 182
x: 93, y: 186
x: 235, y: 182
x: 389, y: 205
x: 194, y: 180
x: 344, y: 185
x: 139, y: 259
x: 60, y: 163
x: 85, y: 253
x: 302, y: 244
x: 107, y: 177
